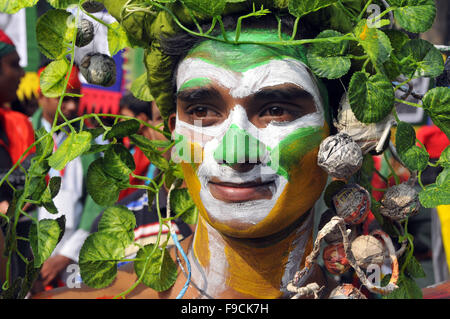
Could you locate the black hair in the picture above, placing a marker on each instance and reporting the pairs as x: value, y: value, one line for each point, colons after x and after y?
x: 178, y: 46
x: 137, y: 106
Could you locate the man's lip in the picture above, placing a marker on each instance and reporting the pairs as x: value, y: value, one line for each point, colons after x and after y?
x: 240, y: 192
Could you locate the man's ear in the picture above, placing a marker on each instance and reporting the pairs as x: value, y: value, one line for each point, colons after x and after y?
x: 172, y: 121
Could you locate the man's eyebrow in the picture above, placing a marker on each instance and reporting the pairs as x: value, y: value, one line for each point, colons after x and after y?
x: 198, y: 94
x: 281, y: 93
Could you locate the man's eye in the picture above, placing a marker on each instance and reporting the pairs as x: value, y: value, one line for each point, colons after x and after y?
x: 200, y: 111
x: 276, y: 111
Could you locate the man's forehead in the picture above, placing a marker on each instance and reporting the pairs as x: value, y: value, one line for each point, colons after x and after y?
x: 243, y: 57
x: 197, y: 73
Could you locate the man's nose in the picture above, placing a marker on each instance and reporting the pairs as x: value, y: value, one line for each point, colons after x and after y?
x: 239, y: 150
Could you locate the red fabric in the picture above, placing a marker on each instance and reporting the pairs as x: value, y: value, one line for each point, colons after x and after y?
x: 142, y: 164
x: 19, y: 131
x: 5, y: 39
x: 99, y: 101
x: 434, y: 139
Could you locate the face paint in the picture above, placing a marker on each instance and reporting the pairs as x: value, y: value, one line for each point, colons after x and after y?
x: 284, y: 153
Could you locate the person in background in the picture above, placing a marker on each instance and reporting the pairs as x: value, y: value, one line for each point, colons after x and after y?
x: 146, y: 112
x: 72, y: 199
x: 16, y: 135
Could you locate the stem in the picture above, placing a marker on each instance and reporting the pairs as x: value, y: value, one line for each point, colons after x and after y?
x: 351, y: 15
x: 279, y: 27
x: 364, y: 10
x: 419, y: 179
x: 294, y: 30
x: 401, y: 84
x: 365, y: 64
x: 408, y: 103
x: 95, y: 18
x: 397, y: 179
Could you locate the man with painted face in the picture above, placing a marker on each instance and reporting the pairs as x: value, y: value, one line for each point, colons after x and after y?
x: 253, y: 118
x: 248, y: 123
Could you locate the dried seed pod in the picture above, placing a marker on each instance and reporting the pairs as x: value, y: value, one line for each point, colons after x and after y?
x: 340, y: 156
x: 335, y: 235
x: 367, y: 250
x: 92, y: 6
x: 352, y: 203
x: 85, y: 33
x: 400, y: 201
x: 346, y: 291
x: 366, y: 135
x: 335, y: 259
x: 99, y: 69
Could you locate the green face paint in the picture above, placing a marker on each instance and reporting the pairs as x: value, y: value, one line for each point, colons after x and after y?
x: 243, y: 57
x: 289, y: 152
x: 238, y: 146
x: 198, y: 82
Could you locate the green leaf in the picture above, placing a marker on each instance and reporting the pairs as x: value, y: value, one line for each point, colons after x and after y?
x: 300, y: 8
x: 47, y: 201
x: 371, y: 97
x: 53, y: 33
x: 44, y: 237
x: 62, y: 4
x: 52, y: 79
x: 72, y: 147
x: 408, y: 289
x: 160, y: 269
x: 123, y: 129
x: 397, y: 39
x: 443, y: 177
x: 436, y: 103
x: 118, y: 162
x: 120, y: 222
x: 145, y: 143
x: 140, y: 89
x: 182, y: 204
x: 444, y: 159
x: 415, y: 269
x: 157, y: 159
x: 103, y: 188
x: 405, y: 137
x: 419, y: 58
x: 328, y: 59
x: 375, y: 42
x: 414, y: 15
x: 54, y: 185
x: 117, y: 38
x: 149, y: 148
x: 36, y: 187
x: 206, y: 7
x: 45, y: 147
x: 415, y: 158
x: 98, y: 259
x: 438, y: 193
x: 12, y: 6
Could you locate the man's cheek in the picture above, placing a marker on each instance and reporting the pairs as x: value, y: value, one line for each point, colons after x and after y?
x: 288, y: 154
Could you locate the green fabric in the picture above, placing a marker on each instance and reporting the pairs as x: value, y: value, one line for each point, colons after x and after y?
x: 32, y: 47
x: 6, y: 48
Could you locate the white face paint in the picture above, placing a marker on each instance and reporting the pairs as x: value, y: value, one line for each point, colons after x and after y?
x: 240, y: 85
